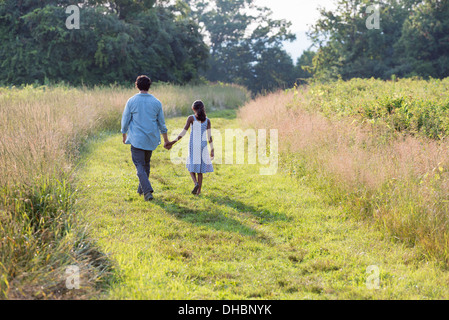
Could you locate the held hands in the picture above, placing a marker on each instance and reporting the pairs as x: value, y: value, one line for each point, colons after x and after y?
x: 212, y: 154
x: 168, y: 144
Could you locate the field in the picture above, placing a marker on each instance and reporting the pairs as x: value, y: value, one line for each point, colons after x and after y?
x: 362, y: 183
x: 379, y: 149
x: 247, y: 236
x: 44, y: 131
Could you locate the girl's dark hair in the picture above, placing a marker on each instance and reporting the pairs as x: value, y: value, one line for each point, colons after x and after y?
x: 200, y: 112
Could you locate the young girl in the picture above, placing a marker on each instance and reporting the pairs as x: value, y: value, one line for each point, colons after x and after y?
x: 198, y: 161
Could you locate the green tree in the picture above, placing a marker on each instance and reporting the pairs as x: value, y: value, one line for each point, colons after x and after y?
x: 125, y: 9
x: 304, y: 66
x: 424, y: 44
x: 273, y: 70
x: 347, y: 48
x: 242, y: 36
x: 161, y: 41
x: 173, y: 48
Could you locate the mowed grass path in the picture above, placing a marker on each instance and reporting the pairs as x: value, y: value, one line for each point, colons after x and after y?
x: 247, y: 236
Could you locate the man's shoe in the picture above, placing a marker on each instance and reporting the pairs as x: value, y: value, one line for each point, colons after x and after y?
x: 149, y: 196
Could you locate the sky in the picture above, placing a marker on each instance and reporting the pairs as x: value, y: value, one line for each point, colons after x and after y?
x: 302, y: 14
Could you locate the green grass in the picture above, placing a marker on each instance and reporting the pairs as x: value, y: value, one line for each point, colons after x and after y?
x: 398, y: 178
x: 246, y: 237
x: 44, y: 131
x: 406, y: 105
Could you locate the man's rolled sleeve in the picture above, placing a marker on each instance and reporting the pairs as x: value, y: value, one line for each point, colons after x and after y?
x: 126, y: 118
x: 161, y: 121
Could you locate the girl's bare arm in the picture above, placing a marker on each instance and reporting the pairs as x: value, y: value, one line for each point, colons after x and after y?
x: 184, y: 131
x: 209, y: 138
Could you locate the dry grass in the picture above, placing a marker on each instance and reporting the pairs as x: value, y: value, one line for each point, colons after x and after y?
x: 43, y: 128
x: 400, y: 180
x: 42, y: 134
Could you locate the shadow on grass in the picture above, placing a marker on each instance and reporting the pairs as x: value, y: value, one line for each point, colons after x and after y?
x: 217, y: 219
x: 263, y: 215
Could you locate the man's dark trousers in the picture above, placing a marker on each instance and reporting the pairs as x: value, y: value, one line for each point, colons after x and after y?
x: 141, y: 159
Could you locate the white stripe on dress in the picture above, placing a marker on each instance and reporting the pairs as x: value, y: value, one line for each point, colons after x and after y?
x: 196, y: 129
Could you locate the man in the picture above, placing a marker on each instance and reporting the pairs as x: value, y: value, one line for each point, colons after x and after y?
x: 142, y: 120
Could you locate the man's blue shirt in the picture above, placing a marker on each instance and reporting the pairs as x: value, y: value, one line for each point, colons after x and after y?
x: 142, y: 120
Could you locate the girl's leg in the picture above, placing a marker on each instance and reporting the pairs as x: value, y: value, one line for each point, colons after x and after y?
x: 200, y: 182
x: 193, y: 175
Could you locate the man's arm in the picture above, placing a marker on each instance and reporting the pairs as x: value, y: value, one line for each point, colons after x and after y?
x: 161, y: 122
x: 126, y: 119
x: 162, y: 127
x: 165, y: 136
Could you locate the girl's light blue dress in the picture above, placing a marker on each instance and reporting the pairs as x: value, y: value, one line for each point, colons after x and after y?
x: 199, y: 160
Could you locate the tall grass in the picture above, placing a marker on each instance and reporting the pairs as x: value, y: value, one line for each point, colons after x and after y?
x: 43, y: 128
x: 215, y: 97
x: 42, y: 131
x: 397, y: 178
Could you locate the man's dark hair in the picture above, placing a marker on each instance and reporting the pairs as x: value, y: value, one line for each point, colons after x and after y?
x: 143, y: 83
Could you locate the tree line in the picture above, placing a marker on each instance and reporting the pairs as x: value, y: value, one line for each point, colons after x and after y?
x: 232, y: 41
x: 119, y: 39
x: 412, y: 40
x: 116, y: 41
